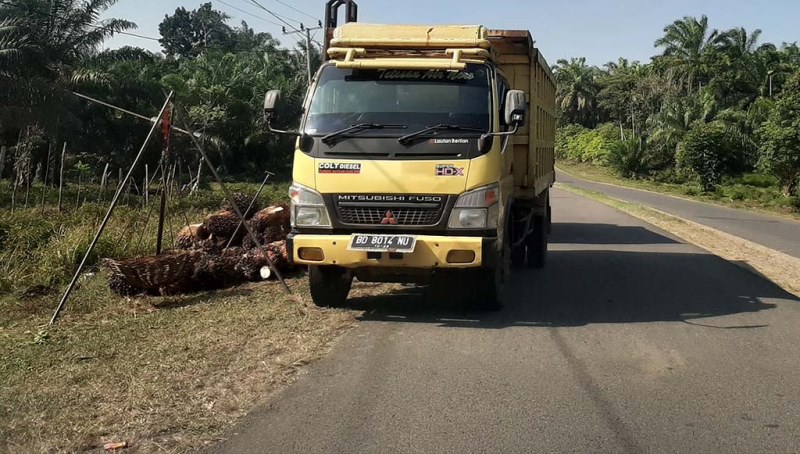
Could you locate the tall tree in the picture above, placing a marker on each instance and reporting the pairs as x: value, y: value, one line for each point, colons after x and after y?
x: 688, y: 47
x: 189, y: 33
x: 577, y: 91
x: 780, y: 154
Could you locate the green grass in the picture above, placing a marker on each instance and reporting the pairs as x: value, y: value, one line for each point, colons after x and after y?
x: 40, y: 249
x: 164, y: 374
x: 159, y: 373
x: 750, y: 191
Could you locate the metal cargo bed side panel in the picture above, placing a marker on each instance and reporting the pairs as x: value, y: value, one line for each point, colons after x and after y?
x: 534, y: 145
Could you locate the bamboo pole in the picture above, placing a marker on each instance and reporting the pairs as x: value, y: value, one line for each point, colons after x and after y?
x: 61, y: 175
x: 46, y: 174
x: 103, y: 224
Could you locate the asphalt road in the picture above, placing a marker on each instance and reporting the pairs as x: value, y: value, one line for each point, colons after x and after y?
x: 628, y: 341
x: 774, y: 232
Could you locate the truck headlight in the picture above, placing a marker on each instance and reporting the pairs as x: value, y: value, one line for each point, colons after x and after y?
x: 476, y: 209
x: 308, y: 207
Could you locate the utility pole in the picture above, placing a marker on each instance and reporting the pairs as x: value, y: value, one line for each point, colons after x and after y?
x: 307, y: 32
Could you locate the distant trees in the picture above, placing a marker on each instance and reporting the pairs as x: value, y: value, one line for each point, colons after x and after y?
x: 711, y: 104
x: 220, y: 73
x: 780, y: 154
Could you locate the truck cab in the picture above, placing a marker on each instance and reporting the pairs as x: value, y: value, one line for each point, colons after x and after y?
x: 422, y: 153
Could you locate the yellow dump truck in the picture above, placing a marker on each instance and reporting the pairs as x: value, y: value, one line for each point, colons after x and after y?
x: 423, y: 153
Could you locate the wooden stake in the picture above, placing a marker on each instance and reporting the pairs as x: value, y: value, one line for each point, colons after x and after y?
x: 2, y: 160
x: 27, y: 180
x: 46, y: 174
x: 78, y: 198
x: 61, y: 175
x: 103, y: 182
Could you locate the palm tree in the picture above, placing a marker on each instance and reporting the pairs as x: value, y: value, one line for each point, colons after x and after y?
x: 668, y: 127
x: 687, y: 47
x: 577, y: 91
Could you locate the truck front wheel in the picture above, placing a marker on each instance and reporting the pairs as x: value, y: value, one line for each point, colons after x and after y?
x: 537, y: 242
x: 491, y: 281
x: 329, y: 285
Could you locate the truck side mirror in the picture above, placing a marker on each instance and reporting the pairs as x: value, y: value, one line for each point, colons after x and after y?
x: 516, y: 108
x: 271, y: 105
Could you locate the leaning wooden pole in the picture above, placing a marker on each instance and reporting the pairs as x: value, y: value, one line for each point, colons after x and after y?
x: 103, y: 224
x: 230, y: 200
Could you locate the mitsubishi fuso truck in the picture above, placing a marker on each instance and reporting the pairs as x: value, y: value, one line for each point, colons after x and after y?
x: 424, y: 152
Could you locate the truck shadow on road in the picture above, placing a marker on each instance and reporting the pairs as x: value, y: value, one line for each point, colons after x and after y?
x: 662, y: 281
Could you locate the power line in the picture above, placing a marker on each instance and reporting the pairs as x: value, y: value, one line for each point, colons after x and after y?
x: 250, y: 14
x: 295, y: 9
x: 277, y: 16
x: 93, y: 25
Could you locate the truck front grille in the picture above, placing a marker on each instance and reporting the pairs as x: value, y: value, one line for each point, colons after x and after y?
x: 384, y: 216
x: 407, y: 211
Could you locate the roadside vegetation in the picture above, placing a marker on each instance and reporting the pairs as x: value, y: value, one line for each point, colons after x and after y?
x: 161, y: 373
x: 715, y: 113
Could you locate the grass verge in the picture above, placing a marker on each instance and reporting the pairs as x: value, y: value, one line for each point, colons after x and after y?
x: 163, y: 374
x: 734, y: 194
x: 780, y: 268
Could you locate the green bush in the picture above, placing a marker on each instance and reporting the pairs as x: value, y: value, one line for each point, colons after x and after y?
x: 757, y: 180
x: 706, y: 151
x: 565, y: 135
x: 628, y: 158
x: 594, y: 146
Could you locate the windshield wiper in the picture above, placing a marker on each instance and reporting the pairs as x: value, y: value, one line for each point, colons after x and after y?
x: 405, y: 140
x: 330, y: 139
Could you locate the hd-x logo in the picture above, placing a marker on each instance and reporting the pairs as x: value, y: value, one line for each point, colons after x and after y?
x: 449, y: 170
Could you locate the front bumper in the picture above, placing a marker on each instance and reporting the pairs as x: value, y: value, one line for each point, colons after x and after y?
x: 430, y: 252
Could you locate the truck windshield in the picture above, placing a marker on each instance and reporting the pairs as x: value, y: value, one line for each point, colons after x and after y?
x: 414, y: 98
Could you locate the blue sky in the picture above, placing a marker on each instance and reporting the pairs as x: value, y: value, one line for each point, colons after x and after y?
x: 600, y: 30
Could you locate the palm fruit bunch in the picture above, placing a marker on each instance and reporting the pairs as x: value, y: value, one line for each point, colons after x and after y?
x: 217, y: 271
x: 250, y: 264
x: 118, y: 286
x: 243, y: 203
x: 191, y: 237
x: 276, y: 215
x: 149, y: 274
x: 278, y: 255
x: 269, y: 235
x: 222, y: 224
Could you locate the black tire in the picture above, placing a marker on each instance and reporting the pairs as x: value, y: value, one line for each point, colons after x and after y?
x: 537, y: 243
x: 491, y: 281
x: 518, y: 255
x: 329, y: 285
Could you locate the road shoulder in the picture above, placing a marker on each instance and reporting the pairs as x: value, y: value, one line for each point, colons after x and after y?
x: 780, y: 268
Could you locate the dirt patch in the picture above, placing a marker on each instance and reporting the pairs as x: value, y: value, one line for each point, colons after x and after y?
x: 780, y: 268
x: 169, y: 377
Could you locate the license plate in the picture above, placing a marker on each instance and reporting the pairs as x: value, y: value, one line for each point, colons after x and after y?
x: 383, y: 243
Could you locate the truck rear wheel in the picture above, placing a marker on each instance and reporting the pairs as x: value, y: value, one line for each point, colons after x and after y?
x: 329, y: 285
x: 537, y: 242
